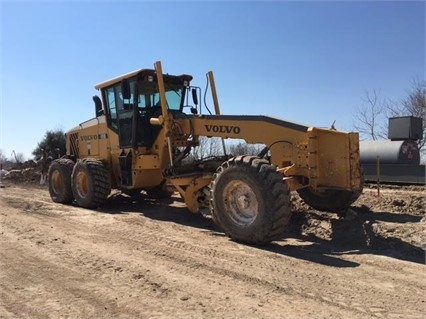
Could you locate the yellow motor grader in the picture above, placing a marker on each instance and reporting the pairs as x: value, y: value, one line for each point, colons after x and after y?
x: 141, y: 140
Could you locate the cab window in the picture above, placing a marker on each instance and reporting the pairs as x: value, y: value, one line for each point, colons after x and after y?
x: 115, y: 104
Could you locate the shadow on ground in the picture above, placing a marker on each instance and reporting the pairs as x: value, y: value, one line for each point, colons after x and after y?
x: 354, y: 235
x: 161, y: 210
x: 359, y: 233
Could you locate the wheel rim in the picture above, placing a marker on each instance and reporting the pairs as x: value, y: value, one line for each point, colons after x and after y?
x: 57, y: 182
x: 240, y: 203
x: 82, y: 184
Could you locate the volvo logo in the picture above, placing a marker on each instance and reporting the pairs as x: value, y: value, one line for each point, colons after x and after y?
x: 89, y: 137
x: 223, y: 129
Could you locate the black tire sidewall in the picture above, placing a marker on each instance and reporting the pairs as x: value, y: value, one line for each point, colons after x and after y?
x: 89, y: 200
x: 253, y: 232
x: 64, y: 194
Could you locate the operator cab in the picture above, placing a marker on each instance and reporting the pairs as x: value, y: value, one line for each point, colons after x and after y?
x: 131, y: 100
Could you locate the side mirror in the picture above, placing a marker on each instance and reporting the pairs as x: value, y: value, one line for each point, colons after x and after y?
x: 98, y: 105
x: 194, y: 96
x: 125, y: 89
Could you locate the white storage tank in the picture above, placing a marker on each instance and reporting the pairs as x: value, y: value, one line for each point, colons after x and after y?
x: 390, y: 152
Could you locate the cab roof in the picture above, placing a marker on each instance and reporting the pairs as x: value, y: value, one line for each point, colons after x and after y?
x: 139, y: 73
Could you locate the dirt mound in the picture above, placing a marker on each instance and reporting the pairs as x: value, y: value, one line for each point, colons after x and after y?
x: 394, y: 222
x: 27, y: 172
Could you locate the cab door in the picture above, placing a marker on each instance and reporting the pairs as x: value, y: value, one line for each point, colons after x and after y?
x: 121, y: 117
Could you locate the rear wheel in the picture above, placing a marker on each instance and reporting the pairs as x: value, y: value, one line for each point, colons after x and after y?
x: 59, y: 180
x: 90, y: 183
x: 250, y: 200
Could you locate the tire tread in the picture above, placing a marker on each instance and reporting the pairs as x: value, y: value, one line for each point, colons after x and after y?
x: 276, y: 198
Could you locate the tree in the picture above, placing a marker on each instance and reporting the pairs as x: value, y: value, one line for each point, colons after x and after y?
x: 213, y: 147
x: 242, y: 148
x: 208, y: 146
x: 371, y: 117
x: 52, y: 143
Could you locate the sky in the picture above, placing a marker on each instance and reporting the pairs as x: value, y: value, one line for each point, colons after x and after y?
x: 310, y: 62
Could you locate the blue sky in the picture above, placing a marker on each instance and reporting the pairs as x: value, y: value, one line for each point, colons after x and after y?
x: 310, y: 62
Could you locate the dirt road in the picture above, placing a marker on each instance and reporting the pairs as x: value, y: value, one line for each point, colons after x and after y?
x: 147, y: 259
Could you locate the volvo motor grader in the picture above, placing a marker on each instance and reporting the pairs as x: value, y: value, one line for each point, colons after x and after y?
x: 142, y: 138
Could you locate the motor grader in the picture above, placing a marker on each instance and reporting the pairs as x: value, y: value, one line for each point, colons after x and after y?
x: 141, y: 141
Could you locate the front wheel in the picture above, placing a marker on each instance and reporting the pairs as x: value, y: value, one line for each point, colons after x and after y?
x: 90, y: 183
x: 250, y: 200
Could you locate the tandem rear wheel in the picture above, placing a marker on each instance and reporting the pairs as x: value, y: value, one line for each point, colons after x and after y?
x: 59, y: 181
x: 90, y: 183
x: 87, y: 182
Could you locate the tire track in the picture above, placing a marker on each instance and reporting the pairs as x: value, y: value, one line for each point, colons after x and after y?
x: 173, y: 267
x: 173, y: 248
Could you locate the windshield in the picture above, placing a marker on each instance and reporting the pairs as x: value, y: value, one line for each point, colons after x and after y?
x: 149, y: 96
x: 120, y: 110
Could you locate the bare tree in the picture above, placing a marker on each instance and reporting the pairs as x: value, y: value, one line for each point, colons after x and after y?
x: 213, y: 147
x: 208, y: 147
x: 370, y: 117
x: 242, y: 148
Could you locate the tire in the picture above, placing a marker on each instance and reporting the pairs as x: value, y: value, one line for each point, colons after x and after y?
x: 334, y: 201
x: 59, y: 180
x: 90, y: 183
x: 250, y: 200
